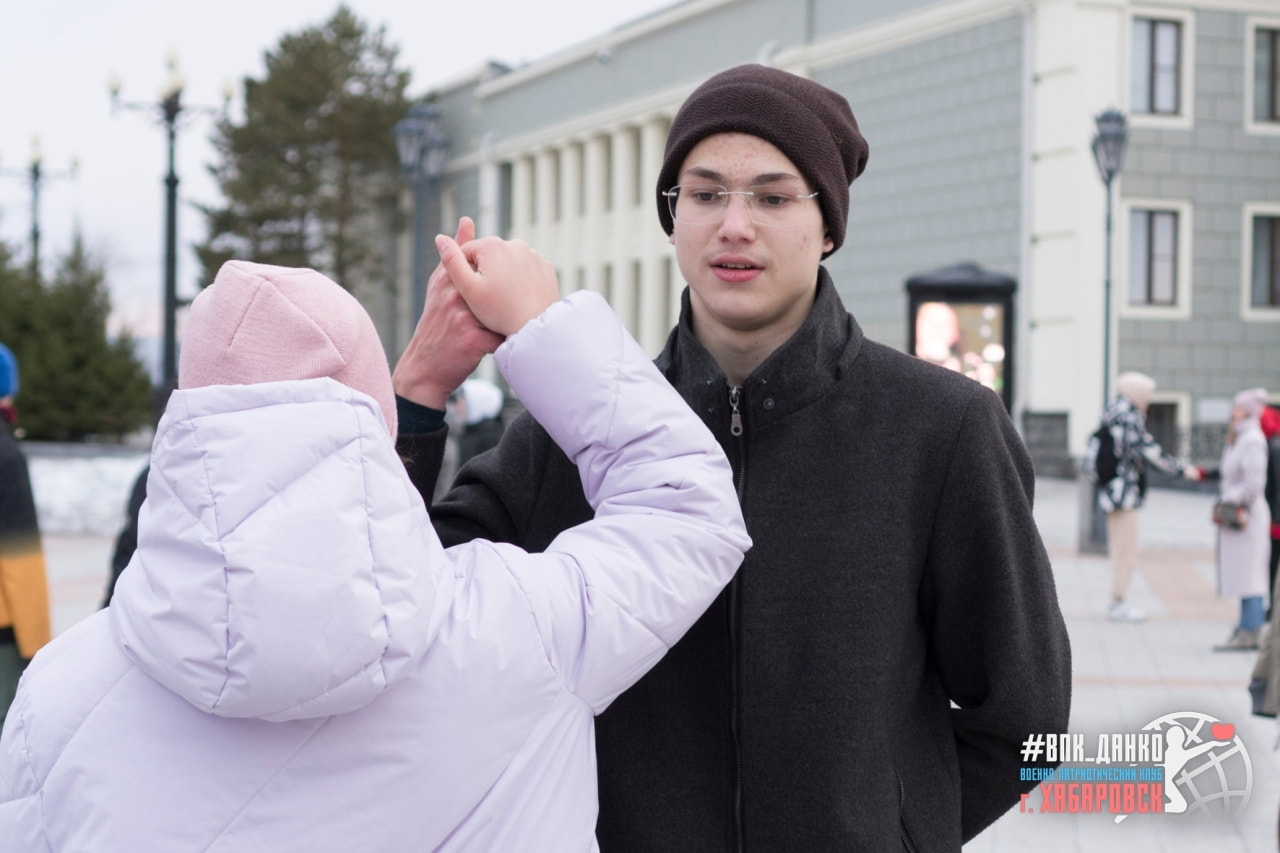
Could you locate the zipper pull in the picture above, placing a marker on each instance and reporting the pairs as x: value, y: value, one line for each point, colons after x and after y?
x: 735, y: 421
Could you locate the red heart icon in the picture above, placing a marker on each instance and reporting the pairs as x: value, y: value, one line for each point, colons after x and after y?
x: 1223, y: 731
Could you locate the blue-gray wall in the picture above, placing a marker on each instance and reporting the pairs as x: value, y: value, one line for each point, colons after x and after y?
x: 943, y: 182
x: 726, y: 36
x: 1219, y: 168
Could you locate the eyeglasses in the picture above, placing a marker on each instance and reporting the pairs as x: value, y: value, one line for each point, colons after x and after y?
x: 705, y: 204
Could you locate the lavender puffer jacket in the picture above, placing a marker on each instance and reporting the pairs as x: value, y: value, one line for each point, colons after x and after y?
x: 293, y: 662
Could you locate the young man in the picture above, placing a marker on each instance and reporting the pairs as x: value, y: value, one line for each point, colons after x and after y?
x: 867, y: 680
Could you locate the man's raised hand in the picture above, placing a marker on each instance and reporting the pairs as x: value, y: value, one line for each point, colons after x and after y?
x: 447, y: 343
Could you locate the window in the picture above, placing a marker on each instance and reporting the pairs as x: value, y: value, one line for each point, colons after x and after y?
x: 1153, y: 257
x: 581, y: 160
x: 1157, y: 67
x: 1266, y: 74
x: 638, y: 194
x: 1264, y: 285
x: 1155, y: 252
x: 555, y: 191
x: 607, y: 151
x: 529, y: 166
x: 506, y: 204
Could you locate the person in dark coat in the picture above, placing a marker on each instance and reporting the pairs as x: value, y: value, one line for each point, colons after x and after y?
x: 867, y: 680
x: 25, y: 624
x: 127, y: 538
x: 1270, y: 421
x: 480, y: 405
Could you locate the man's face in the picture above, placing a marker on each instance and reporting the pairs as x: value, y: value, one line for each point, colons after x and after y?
x: 747, y: 278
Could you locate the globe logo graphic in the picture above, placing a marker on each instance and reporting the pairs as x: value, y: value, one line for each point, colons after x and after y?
x: 1209, y: 765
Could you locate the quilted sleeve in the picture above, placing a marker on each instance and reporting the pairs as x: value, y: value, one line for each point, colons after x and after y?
x: 19, y: 795
x: 615, y: 592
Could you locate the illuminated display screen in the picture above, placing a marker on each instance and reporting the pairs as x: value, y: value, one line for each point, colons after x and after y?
x: 967, y: 337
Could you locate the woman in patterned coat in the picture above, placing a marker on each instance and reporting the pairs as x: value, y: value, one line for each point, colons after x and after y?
x: 1122, y: 496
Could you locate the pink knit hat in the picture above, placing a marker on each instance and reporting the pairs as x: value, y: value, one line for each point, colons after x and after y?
x: 261, y: 323
x: 1251, y: 402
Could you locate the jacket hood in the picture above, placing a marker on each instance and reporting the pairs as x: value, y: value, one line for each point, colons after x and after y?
x: 286, y: 567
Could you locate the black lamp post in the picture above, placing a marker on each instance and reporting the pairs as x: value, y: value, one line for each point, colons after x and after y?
x: 1108, y: 153
x: 423, y: 149
x: 169, y: 110
x: 36, y: 174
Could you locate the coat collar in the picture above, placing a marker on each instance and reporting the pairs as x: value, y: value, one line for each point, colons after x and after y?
x: 803, y: 369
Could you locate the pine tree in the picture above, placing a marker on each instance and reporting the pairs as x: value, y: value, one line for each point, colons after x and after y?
x: 18, y: 292
x: 314, y: 151
x: 75, y: 382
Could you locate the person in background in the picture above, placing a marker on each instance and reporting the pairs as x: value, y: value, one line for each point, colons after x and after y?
x: 292, y: 661
x: 1243, y: 554
x: 1264, y: 687
x: 1123, y: 496
x: 867, y: 680
x: 1270, y: 423
x: 127, y: 538
x: 24, y: 587
x: 480, y: 404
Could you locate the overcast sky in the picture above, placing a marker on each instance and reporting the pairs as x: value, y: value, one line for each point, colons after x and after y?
x: 56, y: 57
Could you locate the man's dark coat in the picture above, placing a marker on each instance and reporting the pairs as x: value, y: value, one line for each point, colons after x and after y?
x: 896, y: 570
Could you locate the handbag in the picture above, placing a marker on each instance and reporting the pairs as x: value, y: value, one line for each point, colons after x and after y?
x: 1232, y: 516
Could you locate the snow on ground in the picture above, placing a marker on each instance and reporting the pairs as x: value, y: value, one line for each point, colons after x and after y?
x: 82, y: 489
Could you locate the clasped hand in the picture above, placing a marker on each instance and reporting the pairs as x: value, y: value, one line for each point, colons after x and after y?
x: 482, y: 290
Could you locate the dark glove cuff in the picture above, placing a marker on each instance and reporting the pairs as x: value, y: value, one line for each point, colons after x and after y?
x: 416, y: 419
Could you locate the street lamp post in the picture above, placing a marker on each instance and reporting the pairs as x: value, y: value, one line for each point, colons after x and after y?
x: 36, y: 174
x: 1108, y: 153
x: 423, y: 148
x: 169, y: 111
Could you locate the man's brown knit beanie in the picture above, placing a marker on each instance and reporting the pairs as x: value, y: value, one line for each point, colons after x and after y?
x: 808, y: 122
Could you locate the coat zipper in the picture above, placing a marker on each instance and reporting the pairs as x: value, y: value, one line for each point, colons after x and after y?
x: 735, y: 418
x: 740, y: 476
x: 902, y: 830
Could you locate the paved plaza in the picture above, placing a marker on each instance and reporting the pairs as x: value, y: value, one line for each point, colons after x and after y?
x: 1125, y: 675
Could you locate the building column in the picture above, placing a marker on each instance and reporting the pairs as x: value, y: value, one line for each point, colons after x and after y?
x: 622, y: 217
x: 522, y: 197
x: 594, y: 231
x: 571, y: 217
x: 490, y: 178
x: 654, y: 298
x: 544, y: 202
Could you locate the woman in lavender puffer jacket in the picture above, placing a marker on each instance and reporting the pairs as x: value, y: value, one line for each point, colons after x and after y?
x: 293, y: 662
